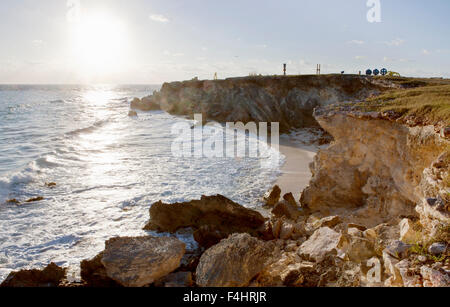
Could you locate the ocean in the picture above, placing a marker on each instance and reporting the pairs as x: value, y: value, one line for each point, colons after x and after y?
x: 108, y: 169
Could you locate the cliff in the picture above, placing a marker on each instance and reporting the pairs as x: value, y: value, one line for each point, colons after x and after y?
x: 287, y: 100
x: 379, y: 170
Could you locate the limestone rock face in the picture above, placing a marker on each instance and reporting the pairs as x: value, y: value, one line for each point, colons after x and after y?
x: 136, y: 262
x: 378, y: 170
x: 51, y: 276
x: 322, y: 243
x: 234, y: 262
x: 289, y: 101
x: 223, y: 215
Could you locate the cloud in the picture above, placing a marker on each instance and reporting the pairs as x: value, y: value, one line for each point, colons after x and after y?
x: 395, y: 42
x: 159, y: 18
x: 426, y: 52
x: 360, y: 57
x: 356, y: 42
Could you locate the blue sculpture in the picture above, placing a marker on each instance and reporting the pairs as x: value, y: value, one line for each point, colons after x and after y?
x: 384, y: 72
x: 368, y: 72
x: 376, y: 72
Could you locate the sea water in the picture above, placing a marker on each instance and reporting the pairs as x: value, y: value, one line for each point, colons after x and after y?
x: 108, y: 169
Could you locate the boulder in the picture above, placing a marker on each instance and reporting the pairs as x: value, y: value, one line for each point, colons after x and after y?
x: 437, y: 249
x: 272, y: 197
x: 286, y: 209
x: 322, y: 243
x: 137, y: 262
x: 93, y: 274
x: 224, y: 215
x: 51, y: 276
x: 132, y: 113
x: 234, y: 262
x: 407, y: 232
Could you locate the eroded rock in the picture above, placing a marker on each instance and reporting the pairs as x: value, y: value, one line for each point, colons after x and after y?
x: 137, y: 262
x: 272, y: 197
x: 322, y: 243
x: 224, y: 216
x: 51, y: 276
x: 234, y: 262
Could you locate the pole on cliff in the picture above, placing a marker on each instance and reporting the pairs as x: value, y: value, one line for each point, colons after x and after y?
x: 284, y: 69
x: 318, y: 69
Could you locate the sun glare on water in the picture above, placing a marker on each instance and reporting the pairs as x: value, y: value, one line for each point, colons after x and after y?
x: 98, y: 44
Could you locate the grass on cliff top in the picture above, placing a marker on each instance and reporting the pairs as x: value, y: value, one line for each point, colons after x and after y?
x: 426, y: 99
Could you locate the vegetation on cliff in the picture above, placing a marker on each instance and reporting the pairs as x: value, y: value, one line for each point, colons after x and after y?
x: 419, y: 101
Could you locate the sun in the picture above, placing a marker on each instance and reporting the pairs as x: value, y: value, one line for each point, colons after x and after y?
x: 98, y: 44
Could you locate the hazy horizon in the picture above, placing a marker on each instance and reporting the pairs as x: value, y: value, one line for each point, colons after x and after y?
x: 152, y: 42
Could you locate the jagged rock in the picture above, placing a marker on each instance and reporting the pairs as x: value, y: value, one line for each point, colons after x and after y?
x: 272, y: 197
x: 289, y: 197
x: 234, y: 262
x: 437, y: 248
x: 51, y: 276
x: 407, y: 232
x: 93, y: 274
x: 176, y: 280
x: 322, y: 243
x: 330, y: 221
x: 132, y: 113
x: 225, y: 216
x: 286, y: 209
x: 137, y: 262
x: 434, y: 278
x: 145, y: 104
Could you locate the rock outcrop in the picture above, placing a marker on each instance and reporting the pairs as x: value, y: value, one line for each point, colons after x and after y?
x: 377, y: 170
x: 145, y: 104
x: 234, y: 262
x: 287, y: 100
x: 137, y: 262
x: 51, y: 276
x: 213, y: 217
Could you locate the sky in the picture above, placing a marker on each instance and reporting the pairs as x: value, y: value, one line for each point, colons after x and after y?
x: 154, y: 41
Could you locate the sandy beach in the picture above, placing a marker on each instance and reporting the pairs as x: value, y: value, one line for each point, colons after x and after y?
x: 296, y: 173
